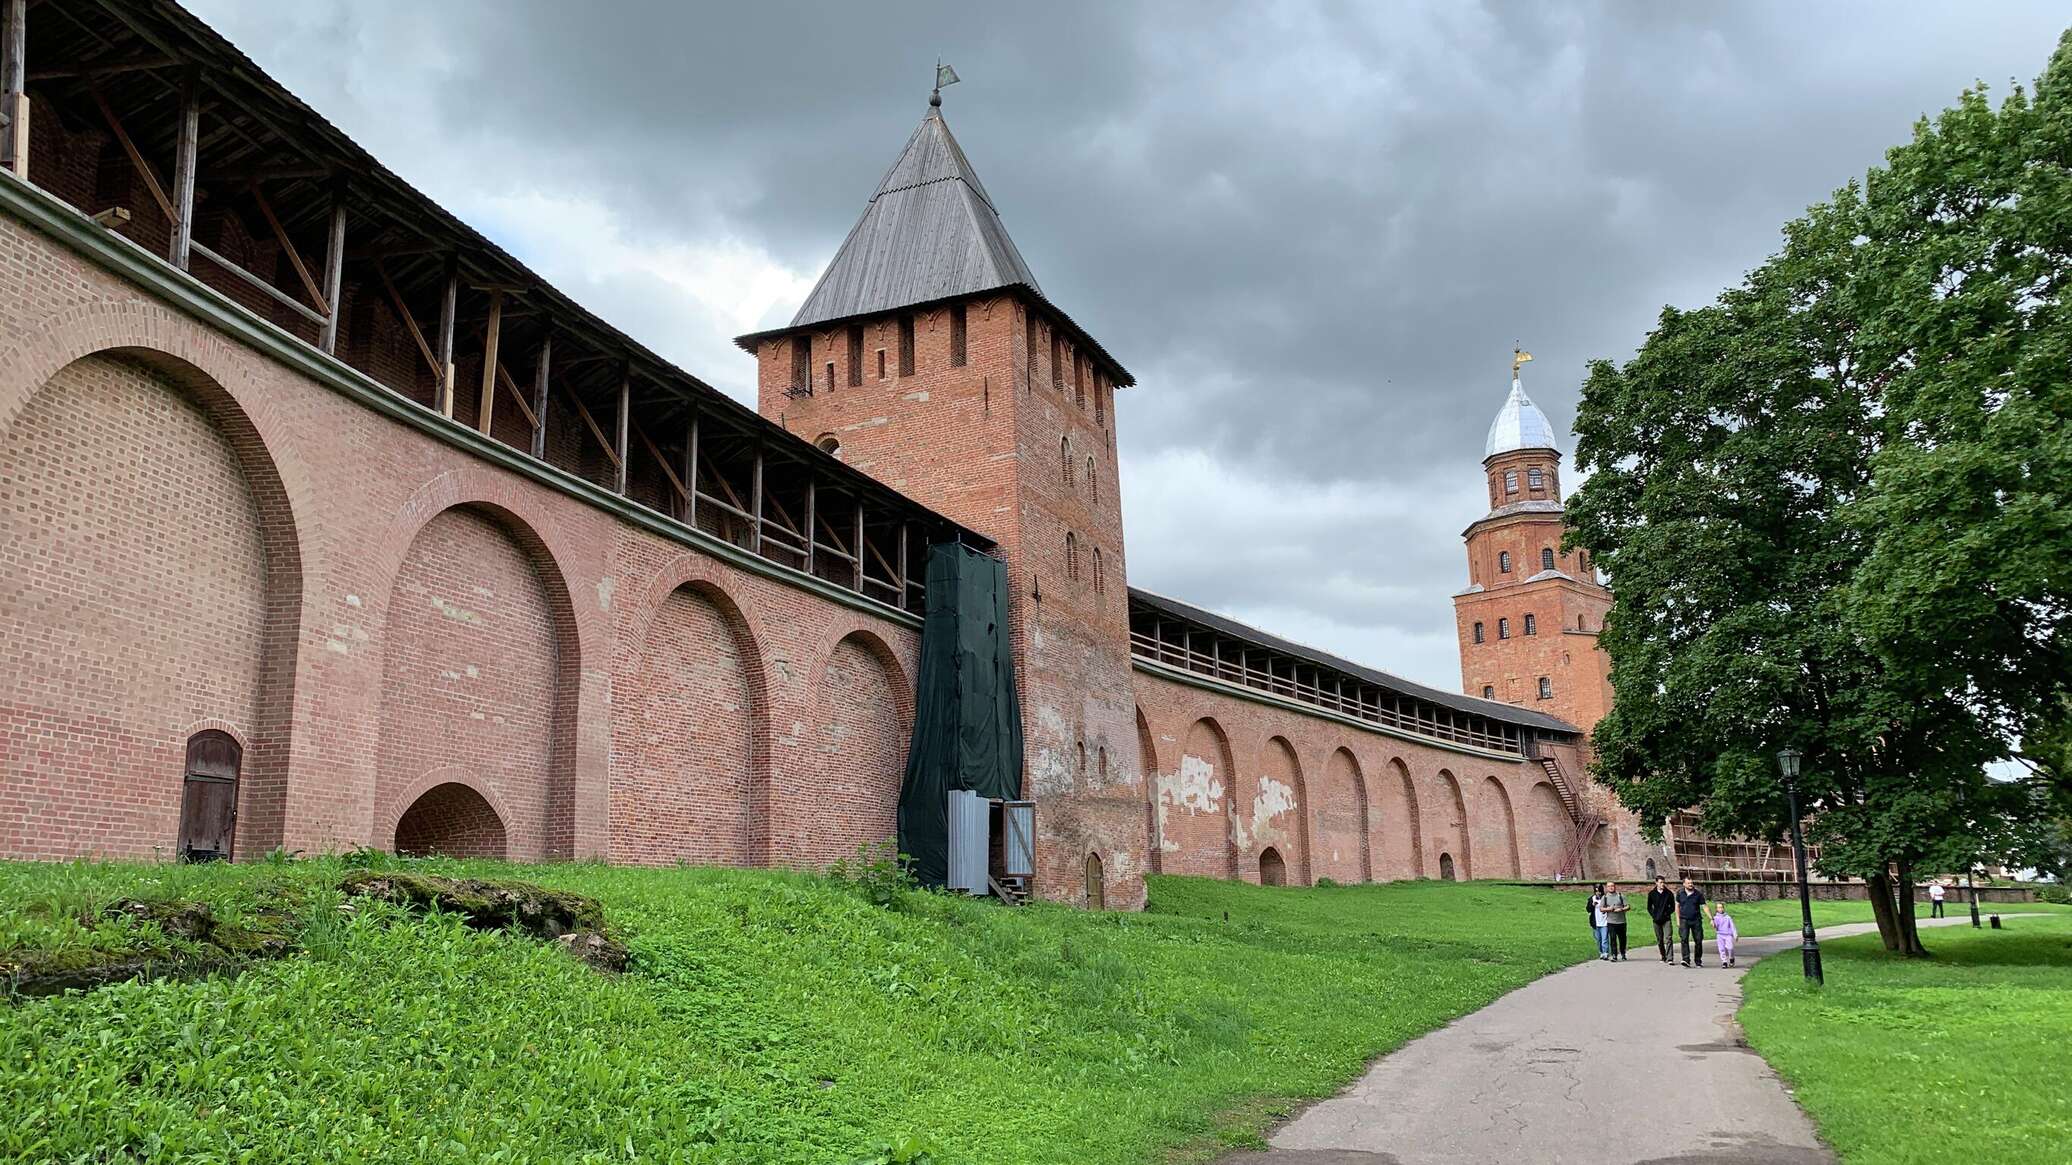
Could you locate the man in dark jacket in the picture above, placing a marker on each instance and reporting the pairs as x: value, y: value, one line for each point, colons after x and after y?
x: 1690, y: 918
x: 1662, y: 912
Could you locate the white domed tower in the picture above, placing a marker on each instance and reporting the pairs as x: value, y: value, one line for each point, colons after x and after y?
x: 1529, y: 617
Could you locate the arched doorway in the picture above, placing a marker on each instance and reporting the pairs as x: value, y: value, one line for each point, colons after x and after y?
x: 1446, y: 867
x: 208, y: 798
x: 1273, y: 869
x: 451, y: 820
x: 1096, y: 884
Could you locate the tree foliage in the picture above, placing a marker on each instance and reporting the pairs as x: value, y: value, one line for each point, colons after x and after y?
x: 1836, y: 505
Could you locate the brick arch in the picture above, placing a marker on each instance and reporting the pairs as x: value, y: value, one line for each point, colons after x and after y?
x: 215, y: 378
x: 1453, y: 830
x: 572, y: 813
x: 1547, y: 830
x: 1197, y: 804
x: 1499, y: 827
x: 847, y: 792
x: 1340, y: 822
x: 1268, y: 824
x: 716, y: 585
x: 1399, y: 854
x: 452, y: 802
x: 1147, y: 770
x: 410, y: 794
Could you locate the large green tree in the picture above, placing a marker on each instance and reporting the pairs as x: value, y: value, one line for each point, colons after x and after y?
x: 1960, y: 281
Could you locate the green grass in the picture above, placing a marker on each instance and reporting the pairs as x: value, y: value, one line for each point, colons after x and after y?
x: 1961, y: 1056
x: 769, y: 1017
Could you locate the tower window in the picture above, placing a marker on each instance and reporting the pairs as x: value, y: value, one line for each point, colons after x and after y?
x: 1583, y: 561
x: 1100, y: 577
x: 830, y: 378
x: 1532, y: 625
x: 1029, y: 347
x: 1478, y: 632
x: 1579, y: 623
x: 1093, y: 484
x: 1510, y: 481
x: 855, y: 354
x: 906, y: 345
x: 1071, y: 555
x: 1488, y: 692
x: 1057, y: 360
x: 1546, y: 558
x: 1079, y: 380
x: 957, y: 336
x: 802, y: 364
x: 1100, y: 398
x: 1546, y: 688
x: 1503, y: 628
x: 1535, y: 478
x: 829, y: 445
x: 881, y: 364
x: 1503, y: 562
x: 1065, y: 457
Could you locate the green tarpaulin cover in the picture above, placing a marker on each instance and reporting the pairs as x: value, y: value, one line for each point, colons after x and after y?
x: 967, y: 719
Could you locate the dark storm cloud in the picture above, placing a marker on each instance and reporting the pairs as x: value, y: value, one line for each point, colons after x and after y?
x: 1313, y: 231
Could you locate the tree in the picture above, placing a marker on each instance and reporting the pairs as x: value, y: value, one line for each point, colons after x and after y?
x: 1723, y: 459
x: 1960, y: 283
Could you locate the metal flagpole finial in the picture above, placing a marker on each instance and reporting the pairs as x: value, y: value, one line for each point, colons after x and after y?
x: 1518, y: 358
x: 944, y: 75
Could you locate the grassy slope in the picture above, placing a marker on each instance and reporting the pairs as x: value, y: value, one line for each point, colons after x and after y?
x: 1958, y: 1057
x: 770, y: 1018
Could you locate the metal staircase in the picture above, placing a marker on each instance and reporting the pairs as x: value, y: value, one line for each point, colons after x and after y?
x: 1587, y: 824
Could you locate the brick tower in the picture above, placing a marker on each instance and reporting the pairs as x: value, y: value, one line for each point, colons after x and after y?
x: 1529, y: 617
x: 928, y: 357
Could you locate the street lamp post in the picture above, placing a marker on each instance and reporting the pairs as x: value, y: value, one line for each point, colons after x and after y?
x: 1809, y: 949
x: 1972, y: 885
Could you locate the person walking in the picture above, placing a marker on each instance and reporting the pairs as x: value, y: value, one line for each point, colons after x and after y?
x: 1595, y: 909
x: 1662, y: 912
x: 1615, y: 909
x: 1690, y: 918
x: 1935, y: 899
x: 1723, y: 933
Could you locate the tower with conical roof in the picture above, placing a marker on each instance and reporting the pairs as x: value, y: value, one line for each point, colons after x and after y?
x: 928, y: 357
x: 1529, y: 618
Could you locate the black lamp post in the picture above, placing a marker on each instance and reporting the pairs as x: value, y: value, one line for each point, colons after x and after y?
x: 1809, y: 949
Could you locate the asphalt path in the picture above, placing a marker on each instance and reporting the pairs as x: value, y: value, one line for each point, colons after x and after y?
x: 1602, y: 1064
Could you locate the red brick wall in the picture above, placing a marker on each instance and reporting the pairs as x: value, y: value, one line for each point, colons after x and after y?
x: 1346, y: 782
x: 133, y: 601
x: 470, y: 676
x: 850, y: 794
x: 683, y: 748
x: 362, y: 521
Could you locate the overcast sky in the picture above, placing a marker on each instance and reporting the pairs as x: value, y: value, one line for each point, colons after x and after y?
x: 1314, y: 232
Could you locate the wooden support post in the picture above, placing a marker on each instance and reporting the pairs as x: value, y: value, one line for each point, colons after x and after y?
x: 539, y: 397
x: 858, y: 544
x: 812, y: 490
x: 755, y: 492
x: 448, y: 303
x: 183, y: 168
x: 625, y: 418
x: 902, y: 565
x: 309, y: 282
x: 485, y: 409
x: 14, y: 102
x: 690, y: 469
x: 334, y: 271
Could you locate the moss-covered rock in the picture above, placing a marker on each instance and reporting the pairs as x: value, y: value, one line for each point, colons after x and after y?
x: 511, y: 907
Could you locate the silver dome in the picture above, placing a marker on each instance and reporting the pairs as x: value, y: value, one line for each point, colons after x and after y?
x: 1519, y: 425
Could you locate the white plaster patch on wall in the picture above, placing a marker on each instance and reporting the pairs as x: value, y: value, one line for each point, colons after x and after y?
x: 1194, y: 787
x: 920, y: 396
x: 455, y: 611
x: 352, y: 600
x: 606, y: 587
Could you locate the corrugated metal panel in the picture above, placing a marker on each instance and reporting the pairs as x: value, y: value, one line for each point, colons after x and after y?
x: 929, y: 233
x: 970, y: 841
x: 1018, y: 843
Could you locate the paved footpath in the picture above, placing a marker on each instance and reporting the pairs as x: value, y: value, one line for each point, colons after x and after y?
x: 1602, y: 1064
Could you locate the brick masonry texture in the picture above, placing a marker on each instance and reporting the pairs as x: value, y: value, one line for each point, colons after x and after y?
x: 420, y: 649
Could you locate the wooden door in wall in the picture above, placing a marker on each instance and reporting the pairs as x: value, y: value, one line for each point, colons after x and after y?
x: 208, y: 797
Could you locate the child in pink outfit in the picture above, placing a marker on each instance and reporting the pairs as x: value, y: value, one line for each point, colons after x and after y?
x: 1724, y: 933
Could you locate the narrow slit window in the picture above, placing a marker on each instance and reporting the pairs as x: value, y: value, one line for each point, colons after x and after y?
x: 1101, y: 398
x: 1029, y: 344
x: 1093, y: 484
x: 1079, y: 380
x: 1065, y: 457
x: 1478, y: 632
x: 957, y: 336
x: 830, y: 378
x: 1057, y: 360
x: 1100, y: 578
x: 1071, y: 556
x: 802, y: 363
x: 881, y: 364
x: 855, y: 355
x: 906, y: 345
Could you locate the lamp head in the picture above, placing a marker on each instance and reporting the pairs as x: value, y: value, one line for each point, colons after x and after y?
x: 1788, y: 762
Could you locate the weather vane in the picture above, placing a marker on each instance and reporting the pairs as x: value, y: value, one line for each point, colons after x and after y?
x: 1518, y: 358
x: 944, y: 75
